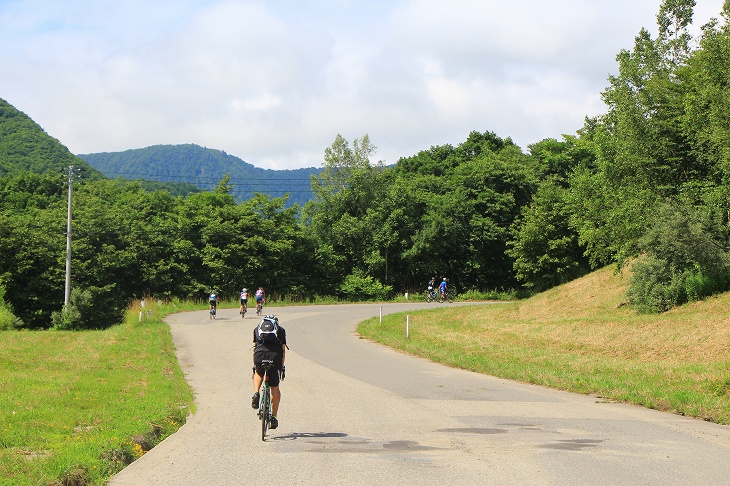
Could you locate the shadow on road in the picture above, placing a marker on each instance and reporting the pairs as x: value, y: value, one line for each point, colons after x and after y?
x: 309, y: 435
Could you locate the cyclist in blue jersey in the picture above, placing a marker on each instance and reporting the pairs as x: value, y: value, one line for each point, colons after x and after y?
x: 443, y: 288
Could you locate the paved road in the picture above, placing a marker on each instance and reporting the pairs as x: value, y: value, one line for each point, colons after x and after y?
x: 354, y: 413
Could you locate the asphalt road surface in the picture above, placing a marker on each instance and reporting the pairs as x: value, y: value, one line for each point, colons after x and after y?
x: 357, y: 413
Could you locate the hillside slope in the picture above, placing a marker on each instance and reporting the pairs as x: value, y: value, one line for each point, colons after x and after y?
x: 25, y: 146
x: 204, y: 168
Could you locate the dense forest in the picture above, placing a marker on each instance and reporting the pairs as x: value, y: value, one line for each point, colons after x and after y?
x: 644, y: 185
x: 202, y: 168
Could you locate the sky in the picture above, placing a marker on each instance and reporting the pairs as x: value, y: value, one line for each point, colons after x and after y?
x: 274, y: 82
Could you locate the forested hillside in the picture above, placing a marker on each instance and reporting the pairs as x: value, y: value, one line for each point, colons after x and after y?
x: 25, y: 146
x: 204, y: 168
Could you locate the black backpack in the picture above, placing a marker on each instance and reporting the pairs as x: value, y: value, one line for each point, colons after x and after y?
x: 268, y: 329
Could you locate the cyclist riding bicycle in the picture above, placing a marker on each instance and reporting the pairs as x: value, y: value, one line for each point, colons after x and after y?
x: 213, y: 300
x: 443, y: 288
x: 244, y: 300
x: 260, y: 297
x: 270, y: 339
x: 431, y: 284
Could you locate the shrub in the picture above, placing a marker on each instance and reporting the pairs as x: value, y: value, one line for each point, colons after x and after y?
x: 89, y: 308
x: 8, y: 320
x: 358, y: 287
x: 682, y: 262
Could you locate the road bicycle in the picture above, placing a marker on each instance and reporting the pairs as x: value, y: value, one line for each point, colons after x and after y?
x: 244, y: 308
x: 265, y: 398
x: 430, y: 295
x: 445, y: 296
x: 259, y: 307
x: 212, y: 313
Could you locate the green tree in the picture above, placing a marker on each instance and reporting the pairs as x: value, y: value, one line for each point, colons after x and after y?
x: 642, y: 154
x: 545, y: 248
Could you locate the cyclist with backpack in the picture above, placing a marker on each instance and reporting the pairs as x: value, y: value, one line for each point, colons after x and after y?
x: 270, y: 344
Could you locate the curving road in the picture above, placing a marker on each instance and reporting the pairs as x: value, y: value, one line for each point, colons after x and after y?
x: 354, y: 413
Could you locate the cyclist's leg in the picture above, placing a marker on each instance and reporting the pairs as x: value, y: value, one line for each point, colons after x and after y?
x: 275, y: 399
x: 257, y: 381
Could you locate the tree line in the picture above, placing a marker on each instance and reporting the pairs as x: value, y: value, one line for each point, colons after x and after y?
x: 644, y: 185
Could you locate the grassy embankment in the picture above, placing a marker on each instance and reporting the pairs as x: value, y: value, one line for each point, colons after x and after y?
x: 582, y: 337
x: 76, y: 407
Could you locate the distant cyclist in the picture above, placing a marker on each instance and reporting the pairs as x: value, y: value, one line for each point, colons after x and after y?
x: 270, y: 339
x: 213, y: 300
x: 244, y: 300
x: 431, y: 289
x: 260, y: 298
x: 443, y: 289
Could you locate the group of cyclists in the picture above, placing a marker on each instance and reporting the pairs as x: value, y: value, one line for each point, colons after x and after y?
x: 275, y: 349
x: 443, y: 288
x: 260, y: 296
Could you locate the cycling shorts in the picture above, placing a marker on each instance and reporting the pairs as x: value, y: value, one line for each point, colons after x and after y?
x: 260, y: 355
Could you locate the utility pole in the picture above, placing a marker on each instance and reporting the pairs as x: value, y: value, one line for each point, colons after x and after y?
x: 67, y: 298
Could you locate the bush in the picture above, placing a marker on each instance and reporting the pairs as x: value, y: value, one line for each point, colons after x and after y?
x: 682, y: 262
x: 656, y: 287
x: 359, y: 287
x: 8, y: 320
x: 90, y: 308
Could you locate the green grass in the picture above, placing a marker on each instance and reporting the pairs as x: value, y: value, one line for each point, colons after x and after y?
x: 76, y: 407
x: 582, y: 337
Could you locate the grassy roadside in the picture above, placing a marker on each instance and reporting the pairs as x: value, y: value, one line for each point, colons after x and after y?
x: 582, y: 338
x: 76, y: 407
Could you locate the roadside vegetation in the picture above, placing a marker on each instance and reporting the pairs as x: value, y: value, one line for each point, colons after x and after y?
x: 581, y: 337
x: 77, y: 407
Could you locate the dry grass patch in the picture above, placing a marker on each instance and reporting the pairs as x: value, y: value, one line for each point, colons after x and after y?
x: 583, y: 338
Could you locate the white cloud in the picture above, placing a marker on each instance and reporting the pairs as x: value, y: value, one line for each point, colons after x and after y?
x: 275, y: 82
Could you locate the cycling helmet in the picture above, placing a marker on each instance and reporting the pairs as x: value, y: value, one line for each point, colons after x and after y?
x: 244, y: 289
x: 444, y: 279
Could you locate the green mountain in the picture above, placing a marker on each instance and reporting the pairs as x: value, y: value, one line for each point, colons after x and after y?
x: 204, y: 168
x: 26, y: 147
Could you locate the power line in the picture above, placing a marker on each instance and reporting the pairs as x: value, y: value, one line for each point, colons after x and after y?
x: 296, y: 185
